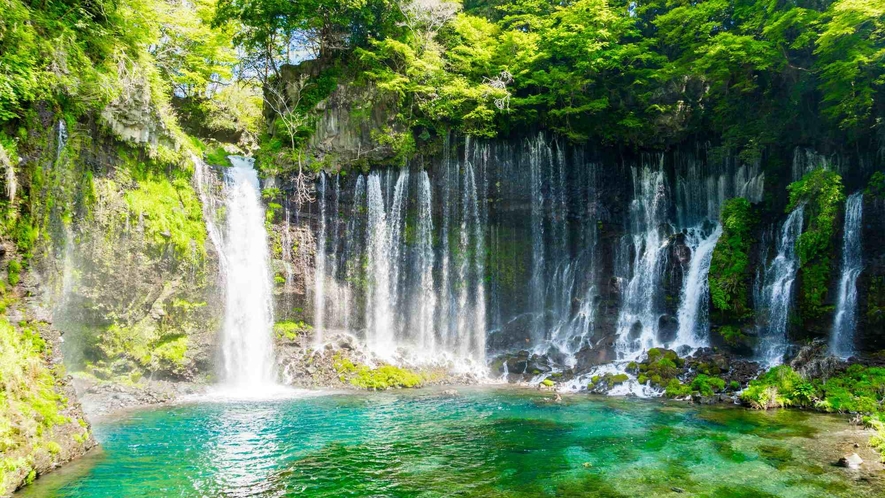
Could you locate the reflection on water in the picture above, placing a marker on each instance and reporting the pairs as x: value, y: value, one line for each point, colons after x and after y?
x: 486, y: 442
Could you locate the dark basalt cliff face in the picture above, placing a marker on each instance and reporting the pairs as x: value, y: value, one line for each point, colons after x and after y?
x: 871, y: 282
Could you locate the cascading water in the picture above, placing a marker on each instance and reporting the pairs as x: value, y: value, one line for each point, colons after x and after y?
x: 693, y: 312
x: 247, y: 347
x: 638, y: 319
x: 319, y: 299
x: 497, y: 246
x: 776, y: 292
x: 424, y: 262
x: 538, y: 153
x: 379, y: 313
x: 842, y: 338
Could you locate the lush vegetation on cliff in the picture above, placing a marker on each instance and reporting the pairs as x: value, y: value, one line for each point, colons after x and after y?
x: 646, y: 74
x: 32, y: 407
x: 730, y: 273
x: 822, y: 193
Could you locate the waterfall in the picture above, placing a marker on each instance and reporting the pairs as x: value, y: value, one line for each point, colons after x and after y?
x: 638, y: 318
x: 472, y: 309
x: 776, y: 292
x: 842, y: 339
x: 319, y: 299
x: 693, y: 299
x: 353, y: 251
x: 247, y: 347
x: 424, y: 267
x: 509, y: 235
x: 379, y: 314
x: 537, y: 285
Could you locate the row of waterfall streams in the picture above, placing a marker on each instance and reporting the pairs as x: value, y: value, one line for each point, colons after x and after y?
x: 497, y: 248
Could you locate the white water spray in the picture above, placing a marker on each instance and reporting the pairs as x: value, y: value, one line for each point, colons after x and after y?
x: 842, y: 339
x: 319, y: 299
x: 777, y: 292
x: 693, y: 310
x: 247, y: 346
x: 638, y: 319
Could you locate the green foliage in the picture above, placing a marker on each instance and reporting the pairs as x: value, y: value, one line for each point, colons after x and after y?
x: 706, y: 385
x: 606, y: 381
x: 660, y: 367
x: 13, y: 271
x: 775, y: 388
x: 217, y: 156
x: 289, y: 330
x: 822, y: 193
x: 732, y: 335
x: 375, y: 379
x: 676, y: 389
x: 85, y: 53
x: 876, y: 187
x: 752, y: 73
x: 877, y: 423
x: 172, y: 215
x: 730, y: 274
x: 851, y: 59
x: 858, y: 389
x: 30, y: 406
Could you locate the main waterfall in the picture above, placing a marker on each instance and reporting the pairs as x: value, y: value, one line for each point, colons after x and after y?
x: 842, y: 338
x: 246, y: 339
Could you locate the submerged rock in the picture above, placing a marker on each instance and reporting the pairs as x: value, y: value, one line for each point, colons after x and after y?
x: 852, y: 461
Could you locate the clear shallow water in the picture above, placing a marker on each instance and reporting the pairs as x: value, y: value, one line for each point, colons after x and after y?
x: 487, y: 442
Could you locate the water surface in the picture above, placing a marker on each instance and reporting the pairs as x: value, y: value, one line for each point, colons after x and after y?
x: 489, y: 442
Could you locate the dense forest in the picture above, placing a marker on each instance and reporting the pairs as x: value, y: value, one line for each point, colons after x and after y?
x: 583, y: 195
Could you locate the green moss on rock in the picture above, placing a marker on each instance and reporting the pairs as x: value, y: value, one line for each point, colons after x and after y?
x: 822, y: 194
x: 375, y: 379
x: 730, y: 274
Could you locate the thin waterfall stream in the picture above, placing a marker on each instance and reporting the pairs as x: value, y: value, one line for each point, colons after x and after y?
x: 842, y: 338
x: 777, y: 292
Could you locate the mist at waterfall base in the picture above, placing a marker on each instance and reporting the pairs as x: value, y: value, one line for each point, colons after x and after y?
x: 486, y: 442
x: 497, y: 248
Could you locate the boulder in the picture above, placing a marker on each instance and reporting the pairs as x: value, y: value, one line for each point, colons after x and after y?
x: 852, y: 461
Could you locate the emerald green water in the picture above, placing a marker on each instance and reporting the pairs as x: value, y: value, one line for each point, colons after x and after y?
x: 487, y: 442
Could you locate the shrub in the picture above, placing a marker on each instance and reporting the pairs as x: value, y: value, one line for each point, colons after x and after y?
x: 676, y: 389
x: 707, y: 385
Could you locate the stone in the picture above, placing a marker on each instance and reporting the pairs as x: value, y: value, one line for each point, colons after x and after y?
x: 450, y: 393
x: 852, y: 461
x: 668, y: 327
